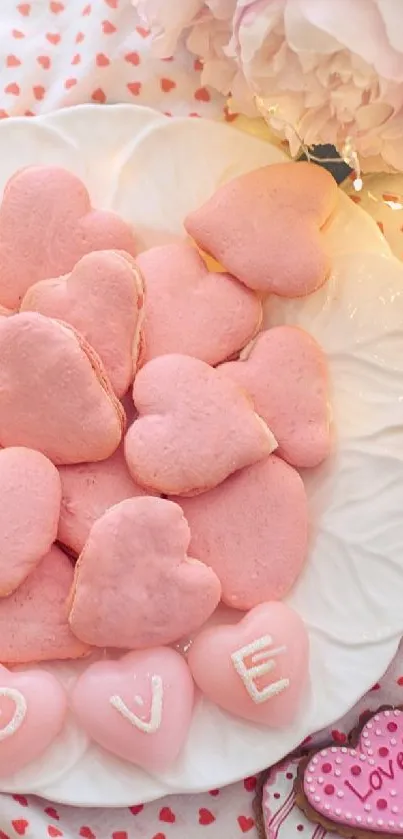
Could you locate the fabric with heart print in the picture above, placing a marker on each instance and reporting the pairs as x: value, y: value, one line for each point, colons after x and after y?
x: 256, y: 669
x: 30, y: 491
x: 103, y: 299
x: 264, y: 227
x: 54, y: 392
x: 253, y: 531
x: 28, y: 724
x: 360, y: 788
x: 34, y: 619
x: 139, y: 707
x: 195, y: 427
x: 285, y: 373
x: 46, y: 225
x: 211, y: 315
x: 135, y: 585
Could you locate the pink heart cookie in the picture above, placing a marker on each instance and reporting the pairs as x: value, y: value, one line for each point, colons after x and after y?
x: 34, y: 619
x: 54, y: 393
x: 192, y: 311
x: 28, y: 723
x: 46, y: 225
x: 285, y: 373
x: 256, y: 669
x: 195, y: 427
x: 135, y: 586
x: 30, y: 505
x: 358, y: 790
x: 253, y: 532
x: 103, y: 299
x: 264, y: 227
x: 138, y: 708
x: 88, y: 491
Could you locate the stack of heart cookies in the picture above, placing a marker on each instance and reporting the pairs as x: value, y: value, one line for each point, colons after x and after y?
x: 151, y: 435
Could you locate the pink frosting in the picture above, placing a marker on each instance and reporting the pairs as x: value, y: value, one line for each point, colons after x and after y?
x: 33, y: 707
x: 362, y: 788
x: 256, y: 669
x: 139, y: 708
x: 46, y: 225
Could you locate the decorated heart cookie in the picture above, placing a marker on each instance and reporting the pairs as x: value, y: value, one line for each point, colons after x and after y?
x: 135, y: 586
x: 46, y: 225
x: 88, y: 491
x: 264, y: 227
x: 191, y: 311
x: 195, y: 427
x: 285, y: 373
x: 54, y: 393
x: 34, y: 619
x: 33, y: 707
x: 253, y: 531
x: 358, y: 791
x: 256, y: 669
x: 139, y: 707
x: 30, y: 494
x: 103, y: 299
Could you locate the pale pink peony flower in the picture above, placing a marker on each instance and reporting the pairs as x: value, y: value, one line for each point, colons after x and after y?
x: 329, y: 70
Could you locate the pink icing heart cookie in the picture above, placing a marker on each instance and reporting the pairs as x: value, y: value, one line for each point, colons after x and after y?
x: 28, y: 723
x: 358, y: 791
x: 285, y: 373
x: 88, y: 491
x: 30, y: 505
x: 211, y: 316
x: 34, y: 619
x: 264, y: 227
x: 135, y: 586
x: 138, y: 708
x: 46, y: 225
x: 103, y: 299
x: 257, y: 669
x: 54, y: 393
x: 253, y: 531
x: 195, y: 427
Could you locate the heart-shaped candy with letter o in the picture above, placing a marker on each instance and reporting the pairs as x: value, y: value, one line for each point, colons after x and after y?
x: 195, y: 427
x: 358, y: 791
x: 33, y: 707
x: 46, y: 225
x: 257, y: 669
x: 139, y: 707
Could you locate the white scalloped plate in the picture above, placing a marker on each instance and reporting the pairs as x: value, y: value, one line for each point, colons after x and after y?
x: 154, y: 170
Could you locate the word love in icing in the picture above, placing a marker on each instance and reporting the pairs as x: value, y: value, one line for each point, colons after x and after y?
x: 20, y: 710
x: 154, y: 722
x: 362, y: 786
x: 261, y: 656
